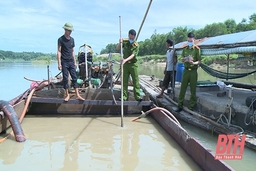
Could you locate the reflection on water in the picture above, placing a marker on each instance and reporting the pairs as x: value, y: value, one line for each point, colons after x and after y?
x: 210, y: 142
x: 97, y: 143
x: 12, y: 76
x: 12, y: 82
x: 79, y: 144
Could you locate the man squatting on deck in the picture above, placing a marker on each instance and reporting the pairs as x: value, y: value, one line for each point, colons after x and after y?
x: 170, y: 68
x: 130, y: 65
x: 67, y: 60
x: 191, y: 56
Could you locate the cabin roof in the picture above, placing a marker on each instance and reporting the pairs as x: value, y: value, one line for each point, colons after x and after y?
x: 242, y: 42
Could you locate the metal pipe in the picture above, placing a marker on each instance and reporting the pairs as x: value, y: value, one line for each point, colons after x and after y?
x: 48, y: 75
x: 122, y: 69
x: 85, y: 63
x: 173, y: 70
x: 227, y: 67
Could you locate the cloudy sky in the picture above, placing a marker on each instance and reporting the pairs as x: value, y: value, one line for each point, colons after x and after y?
x: 35, y: 25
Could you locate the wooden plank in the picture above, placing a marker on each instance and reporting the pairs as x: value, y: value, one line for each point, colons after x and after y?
x: 90, y: 102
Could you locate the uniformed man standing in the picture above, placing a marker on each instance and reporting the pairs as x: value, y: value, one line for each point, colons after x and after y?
x: 130, y: 65
x: 191, y: 56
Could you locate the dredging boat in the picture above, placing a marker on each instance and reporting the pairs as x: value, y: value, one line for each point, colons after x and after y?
x: 100, y: 91
x: 227, y: 111
x: 47, y: 98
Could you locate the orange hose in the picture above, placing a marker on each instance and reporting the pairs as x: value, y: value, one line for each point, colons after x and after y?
x: 135, y: 119
x: 26, y: 105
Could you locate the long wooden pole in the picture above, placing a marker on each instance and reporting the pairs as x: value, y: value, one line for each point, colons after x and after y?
x: 144, y: 19
x: 122, y: 69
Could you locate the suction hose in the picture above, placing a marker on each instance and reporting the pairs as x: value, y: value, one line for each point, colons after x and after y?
x: 163, y: 110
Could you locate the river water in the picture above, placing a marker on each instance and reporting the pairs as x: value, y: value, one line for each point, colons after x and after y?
x: 96, y: 143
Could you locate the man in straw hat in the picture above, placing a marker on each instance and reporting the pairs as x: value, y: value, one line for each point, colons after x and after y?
x: 67, y: 60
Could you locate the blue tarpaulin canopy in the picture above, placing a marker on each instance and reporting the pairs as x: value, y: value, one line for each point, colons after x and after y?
x: 237, y: 43
x: 242, y: 42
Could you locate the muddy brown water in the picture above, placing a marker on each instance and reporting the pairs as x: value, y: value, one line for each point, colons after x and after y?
x: 93, y: 143
x: 52, y: 158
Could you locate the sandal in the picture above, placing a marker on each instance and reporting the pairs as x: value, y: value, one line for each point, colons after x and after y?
x: 159, y: 96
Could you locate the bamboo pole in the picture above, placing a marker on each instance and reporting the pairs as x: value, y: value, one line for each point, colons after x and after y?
x: 143, y: 19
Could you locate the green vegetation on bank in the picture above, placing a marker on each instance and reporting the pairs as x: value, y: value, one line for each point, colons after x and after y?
x: 47, y: 58
x: 153, y: 50
x: 153, y: 59
x: 26, y: 56
x: 156, y: 43
x: 141, y: 59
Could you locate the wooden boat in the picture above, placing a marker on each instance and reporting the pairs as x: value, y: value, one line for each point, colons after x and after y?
x: 212, y: 113
x: 99, y: 102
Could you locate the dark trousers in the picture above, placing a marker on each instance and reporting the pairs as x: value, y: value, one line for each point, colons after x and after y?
x: 69, y: 68
x: 131, y: 69
x: 188, y: 76
x: 168, y: 77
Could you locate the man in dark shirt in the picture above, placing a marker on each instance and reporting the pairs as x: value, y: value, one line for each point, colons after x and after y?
x: 67, y: 60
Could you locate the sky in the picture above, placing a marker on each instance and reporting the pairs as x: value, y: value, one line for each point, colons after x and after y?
x: 36, y: 25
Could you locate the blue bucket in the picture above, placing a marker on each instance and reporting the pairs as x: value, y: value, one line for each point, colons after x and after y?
x: 180, y: 68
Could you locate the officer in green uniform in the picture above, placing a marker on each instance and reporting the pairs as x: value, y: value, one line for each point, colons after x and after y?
x: 191, y: 56
x: 130, y: 65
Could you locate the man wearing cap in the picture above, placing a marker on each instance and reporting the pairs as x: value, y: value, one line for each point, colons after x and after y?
x: 67, y: 60
x: 170, y: 67
x: 191, y: 56
x: 130, y: 65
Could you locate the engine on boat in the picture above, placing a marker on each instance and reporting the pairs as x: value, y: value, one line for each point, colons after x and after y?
x: 97, y: 74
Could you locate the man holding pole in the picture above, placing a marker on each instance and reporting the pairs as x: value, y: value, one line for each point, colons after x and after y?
x: 130, y: 65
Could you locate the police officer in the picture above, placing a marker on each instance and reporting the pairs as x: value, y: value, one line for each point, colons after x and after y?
x: 191, y: 56
x: 130, y: 65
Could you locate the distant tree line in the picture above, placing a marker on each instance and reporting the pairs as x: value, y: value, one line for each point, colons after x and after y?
x: 27, y: 56
x: 156, y: 43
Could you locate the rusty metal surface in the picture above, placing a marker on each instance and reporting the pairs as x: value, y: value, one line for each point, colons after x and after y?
x: 203, y: 157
